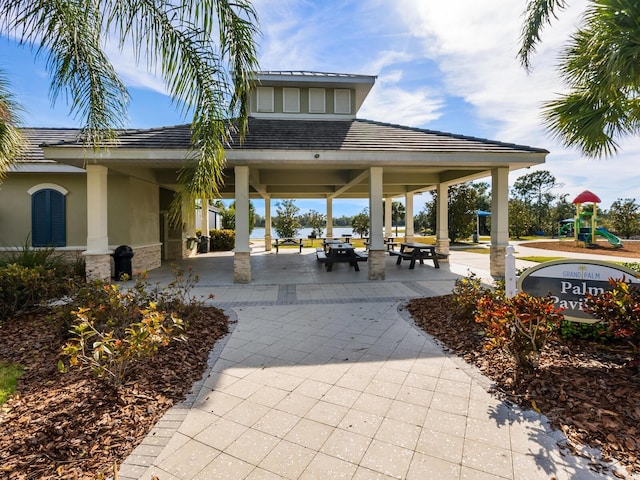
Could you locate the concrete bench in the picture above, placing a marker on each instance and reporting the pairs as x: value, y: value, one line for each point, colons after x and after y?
x: 288, y: 242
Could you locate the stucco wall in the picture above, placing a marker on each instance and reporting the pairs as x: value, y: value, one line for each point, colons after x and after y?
x: 133, y: 211
x: 15, y: 207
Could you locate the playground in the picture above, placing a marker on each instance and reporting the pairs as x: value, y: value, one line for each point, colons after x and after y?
x: 584, y: 226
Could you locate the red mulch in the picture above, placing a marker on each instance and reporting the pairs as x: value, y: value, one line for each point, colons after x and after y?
x: 72, y: 426
x: 584, y: 388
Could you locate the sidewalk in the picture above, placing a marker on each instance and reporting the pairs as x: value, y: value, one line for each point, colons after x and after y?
x: 333, y: 380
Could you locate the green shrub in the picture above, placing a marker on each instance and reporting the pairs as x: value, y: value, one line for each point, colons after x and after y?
x: 635, y: 266
x: 520, y: 325
x: 466, y: 294
x: 28, y: 256
x: 598, y: 331
x: 110, y: 355
x: 222, y: 239
x: 111, y: 329
x: 618, y: 309
x: 24, y: 290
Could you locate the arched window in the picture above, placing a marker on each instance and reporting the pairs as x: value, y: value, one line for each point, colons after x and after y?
x: 48, y: 217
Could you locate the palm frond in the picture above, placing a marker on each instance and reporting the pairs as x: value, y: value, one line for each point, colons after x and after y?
x: 538, y: 14
x: 11, y: 140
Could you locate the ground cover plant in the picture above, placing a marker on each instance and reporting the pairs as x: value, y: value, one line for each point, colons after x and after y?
x: 584, y: 378
x: 83, y: 420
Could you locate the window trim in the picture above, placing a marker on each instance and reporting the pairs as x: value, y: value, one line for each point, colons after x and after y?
x: 296, y: 106
x: 57, y: 231
x: 324, y: 100
x: 268, y: 93
x: 336, y: 104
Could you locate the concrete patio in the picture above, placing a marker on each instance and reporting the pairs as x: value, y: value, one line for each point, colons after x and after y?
x: 324, y: 376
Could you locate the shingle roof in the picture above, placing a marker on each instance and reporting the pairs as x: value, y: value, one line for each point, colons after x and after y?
x: 364, y: 135
x: 275, y: 134
x: 37, y: 136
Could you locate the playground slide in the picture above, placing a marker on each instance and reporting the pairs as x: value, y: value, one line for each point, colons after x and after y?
x: 613, y: 240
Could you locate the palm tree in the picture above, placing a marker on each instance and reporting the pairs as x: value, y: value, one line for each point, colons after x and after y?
x: 11, y: 141
x: 203, y: 49
x: 600, y: 66
x: 397, y: 211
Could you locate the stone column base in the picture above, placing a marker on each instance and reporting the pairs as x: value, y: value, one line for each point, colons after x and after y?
x: 267, y: 243
x: 497, y: 260
x: 442, y: 246
x: 376, y: 264
x: 98, y: 266
x: 242, y: 267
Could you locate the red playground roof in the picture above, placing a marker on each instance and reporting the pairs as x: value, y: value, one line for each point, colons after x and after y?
x: 587, y: 196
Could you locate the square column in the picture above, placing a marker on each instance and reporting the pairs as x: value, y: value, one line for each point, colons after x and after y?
x: 188, y: 226
x: 499, y: 220
x: 442, y: 218
x: 409, y: 232
x: 376, y: 260
x: 97, y: 255
x: 388, y: 217
x: 241, y: 257
x: 204, y: 222
x: 267, y: 224
x: 329, y: 218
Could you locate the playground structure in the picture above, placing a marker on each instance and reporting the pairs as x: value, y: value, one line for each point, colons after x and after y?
x: 585, y: 227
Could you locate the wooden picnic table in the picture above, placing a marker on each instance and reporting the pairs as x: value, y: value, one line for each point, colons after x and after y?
x: 416, y: 251
x: 292, y: 242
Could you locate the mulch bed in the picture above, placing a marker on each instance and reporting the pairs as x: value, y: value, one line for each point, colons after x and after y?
x: 71, y: 425
x: 584, y: 388
x: 630, y: 248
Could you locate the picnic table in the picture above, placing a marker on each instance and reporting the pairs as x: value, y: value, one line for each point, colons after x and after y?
x: 282, y: 242
x: 391, y: 243
x: 416, y: 251
x: 340, y: 253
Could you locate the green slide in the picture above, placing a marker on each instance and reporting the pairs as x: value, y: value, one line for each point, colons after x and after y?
x: 613, y: 240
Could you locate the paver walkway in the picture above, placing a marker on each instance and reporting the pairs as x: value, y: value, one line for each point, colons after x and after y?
x: 318, y: 385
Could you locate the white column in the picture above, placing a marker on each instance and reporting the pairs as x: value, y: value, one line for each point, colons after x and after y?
x: 499, y: 220
x: 442, y: 218
x: 204, y: 221
x: 408, y: 217
x: 188, y: 226
x: 97, y: 225
x: 376, y: 260
x: 329, y: 218
x: 388, y: 217
x: 267, y: 224
x: 97, y: 255
x: 241, y: 257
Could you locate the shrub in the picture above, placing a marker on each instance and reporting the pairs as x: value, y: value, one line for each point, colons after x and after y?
x: 520, y: 325
x: 598, y: 331
x: 618, y: 309
x: 111, y: 355
x: 111, y: 329
x: 24, y: 290
x: 466, y: 294
x: 222, y: 239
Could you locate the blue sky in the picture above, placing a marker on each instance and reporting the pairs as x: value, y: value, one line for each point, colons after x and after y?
x: 448, y: 66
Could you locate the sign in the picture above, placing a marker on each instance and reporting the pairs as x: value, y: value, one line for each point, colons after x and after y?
x: 567, y: 282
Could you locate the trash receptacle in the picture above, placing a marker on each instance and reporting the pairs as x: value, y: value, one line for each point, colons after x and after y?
x: 122, y: 261
x: 203, y: 245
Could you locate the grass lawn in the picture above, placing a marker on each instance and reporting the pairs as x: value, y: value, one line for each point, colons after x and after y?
x: 9, y: 375
x: 540, y: 259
